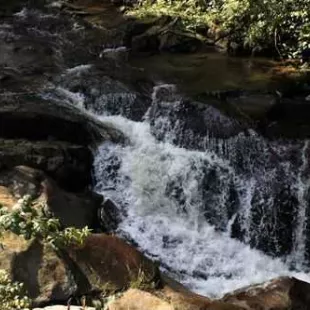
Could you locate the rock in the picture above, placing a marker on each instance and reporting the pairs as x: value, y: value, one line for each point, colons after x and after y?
x: 282, y: 293
x: 34, y: 118
x: 191, y: 122
x: 72, y: 209
x: 109, y: 216
x: 145, y: 43
x: 135, y: 299
x: 287, y: 118
x: 181, y: 297
x: 52, y: 277
x: 51, y: 136
x: 107, y: 259
x: 179, y: 42
x: 254, y: 106
x: 104, y: 92
x: 69, y: 164
x: 45, y: 275
x: 59, y: 307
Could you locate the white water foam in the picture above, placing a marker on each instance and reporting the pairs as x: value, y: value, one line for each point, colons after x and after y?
x: 210, y: 262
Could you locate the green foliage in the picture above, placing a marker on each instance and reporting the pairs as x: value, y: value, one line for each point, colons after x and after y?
x: 30, y: 222
x: 280, y: 25
x: 12, y: 294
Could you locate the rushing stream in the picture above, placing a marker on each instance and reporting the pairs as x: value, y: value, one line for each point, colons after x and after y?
x: 183, y: 206
x: 218, y: 213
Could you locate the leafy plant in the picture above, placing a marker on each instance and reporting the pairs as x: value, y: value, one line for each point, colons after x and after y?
x: 30, y: 222
x: 280, y: 25
x: 12, y: 294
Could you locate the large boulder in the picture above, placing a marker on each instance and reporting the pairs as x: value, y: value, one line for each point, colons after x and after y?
x: 52, y: 277
x: 135, y: 299
x: 110, y: 91
x: 181, y: 297
x: 34, y: 118
x: 108, y: 259
x: 54, y: 137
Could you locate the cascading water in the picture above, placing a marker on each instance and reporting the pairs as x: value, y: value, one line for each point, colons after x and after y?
x: 182, y: 206
x: 189, y: 183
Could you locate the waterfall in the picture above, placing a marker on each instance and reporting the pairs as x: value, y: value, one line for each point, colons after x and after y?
x: 188, y: 206
x: 302, y: 188
x: 218, y: 205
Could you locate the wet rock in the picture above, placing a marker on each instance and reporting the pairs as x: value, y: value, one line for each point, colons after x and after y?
x: 72, y: 209
x: 277, y: 236
x: 107, y: 92
x: 35, y: 118
x: 281, y: 294
x: 191, y: 122
x: 109, y: 216
x: 254, y: 106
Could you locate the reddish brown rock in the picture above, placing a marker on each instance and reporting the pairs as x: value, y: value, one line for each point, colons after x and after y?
x: 281, y: 294
x: 108, y: 259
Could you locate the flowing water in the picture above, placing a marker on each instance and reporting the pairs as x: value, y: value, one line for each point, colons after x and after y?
x: 180, y: 205
x: 218, y: 213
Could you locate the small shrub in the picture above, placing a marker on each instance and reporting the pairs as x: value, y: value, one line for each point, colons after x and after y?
x: 27, y: 221
x: 141, y: 280
x: 12, y: 294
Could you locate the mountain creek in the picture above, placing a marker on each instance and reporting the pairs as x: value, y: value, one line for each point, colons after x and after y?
x: 190, y: 167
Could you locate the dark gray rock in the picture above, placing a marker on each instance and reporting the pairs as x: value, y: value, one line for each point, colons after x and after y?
x: 34, y: 118
x: 72, y: 209
x: 109, y: 216
x: 69, y: 164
